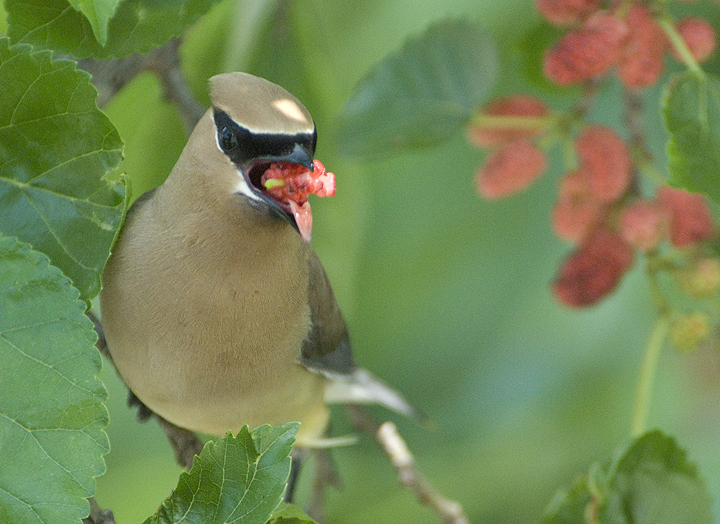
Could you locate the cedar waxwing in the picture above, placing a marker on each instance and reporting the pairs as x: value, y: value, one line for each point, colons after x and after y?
x: 216, y: 310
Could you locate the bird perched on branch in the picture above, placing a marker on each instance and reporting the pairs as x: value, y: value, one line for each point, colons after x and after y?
x: 216, y: 311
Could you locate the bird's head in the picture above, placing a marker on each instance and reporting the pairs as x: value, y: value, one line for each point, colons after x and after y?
x: 259, y: 126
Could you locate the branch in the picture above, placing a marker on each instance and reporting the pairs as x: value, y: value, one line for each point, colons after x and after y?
x: 325, y: 476
x: 184, y: 442
x: 389, y: 439
x: 647, y: 376
x: 165, y: 63
x: 110, y: 76
x: 97, y: 515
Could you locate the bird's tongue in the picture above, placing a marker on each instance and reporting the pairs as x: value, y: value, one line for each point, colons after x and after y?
x: 290, y: 185
x: 303, y: 218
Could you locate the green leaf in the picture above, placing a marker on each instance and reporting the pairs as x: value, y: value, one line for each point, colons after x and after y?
x: 52, y: 416
x: 98, y: 13
x: 55, y: 148
x: 654, y: 483
x: 691, y: 108
x: 422, y: 94
x: 137, y: 26
x: 289, y: 514
x: 234, y: 479
x: 649, y: 482
x: 569, y: 506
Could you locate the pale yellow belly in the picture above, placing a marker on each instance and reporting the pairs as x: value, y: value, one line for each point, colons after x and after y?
x: 203, y: 348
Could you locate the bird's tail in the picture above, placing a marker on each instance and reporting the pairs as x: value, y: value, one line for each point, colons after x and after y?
x: 361, y: 387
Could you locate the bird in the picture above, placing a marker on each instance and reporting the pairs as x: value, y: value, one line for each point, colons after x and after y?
x: 216, y: 311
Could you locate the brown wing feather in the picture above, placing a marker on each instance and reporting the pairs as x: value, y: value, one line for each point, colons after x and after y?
x: 327, y: 347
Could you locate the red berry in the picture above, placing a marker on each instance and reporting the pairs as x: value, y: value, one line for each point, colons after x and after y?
x: 699, y: 36
x: 605, y: 161
x: 292, y: 182
x: 643, y: 225
x: 326, y: 186
x: 690, y: 217
x: 576, y: 212
x: 516, y: 105
x: 593, y: 270
x: 586, y: 52
x: 642, y: 63
x: 510, y: 168
x: 562, y: 12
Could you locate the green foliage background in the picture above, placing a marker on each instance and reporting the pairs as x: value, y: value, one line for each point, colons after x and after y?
x: 446, y: 295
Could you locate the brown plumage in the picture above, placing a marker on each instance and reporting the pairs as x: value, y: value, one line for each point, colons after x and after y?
x: 217, y: 313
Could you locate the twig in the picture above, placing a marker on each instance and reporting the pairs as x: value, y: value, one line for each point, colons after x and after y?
x: 165, y: 63
x: 389, y: 439
x: 110, y: 76
x: 97, y: 515
x: 184, y: 442
x: 635, y: 125
x: 325, y: 475
x: 647, y: 375
x: 678, y: 43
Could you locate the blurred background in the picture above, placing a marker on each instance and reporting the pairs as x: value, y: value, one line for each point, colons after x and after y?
x: 447, y: 296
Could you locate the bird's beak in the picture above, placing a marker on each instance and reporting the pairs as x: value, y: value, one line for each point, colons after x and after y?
x: 299, y: 155
x: 299, y: 217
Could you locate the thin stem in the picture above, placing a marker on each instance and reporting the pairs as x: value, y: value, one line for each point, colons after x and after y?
x: 647, y: 375
x: 529, y: 123
x: 679, y: 44
x: 569, y: 156
x: 653, y: 172
x: 395, y: 448
x: 98, y: 515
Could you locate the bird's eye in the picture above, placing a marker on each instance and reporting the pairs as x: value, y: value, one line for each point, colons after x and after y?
x: 228, y: 140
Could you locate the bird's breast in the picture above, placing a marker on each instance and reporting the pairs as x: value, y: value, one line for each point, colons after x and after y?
x: 207, y: 330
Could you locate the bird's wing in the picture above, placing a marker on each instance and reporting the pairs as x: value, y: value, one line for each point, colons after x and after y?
x: 327, y: 348
x: 327, y: 351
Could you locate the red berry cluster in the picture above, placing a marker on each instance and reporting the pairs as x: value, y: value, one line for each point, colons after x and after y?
x: 290, y: 185
x: 286, y: 181
x: 606, y: 246
x: 629, y: 39
x: 599, y: 207
x: 600, y: 211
